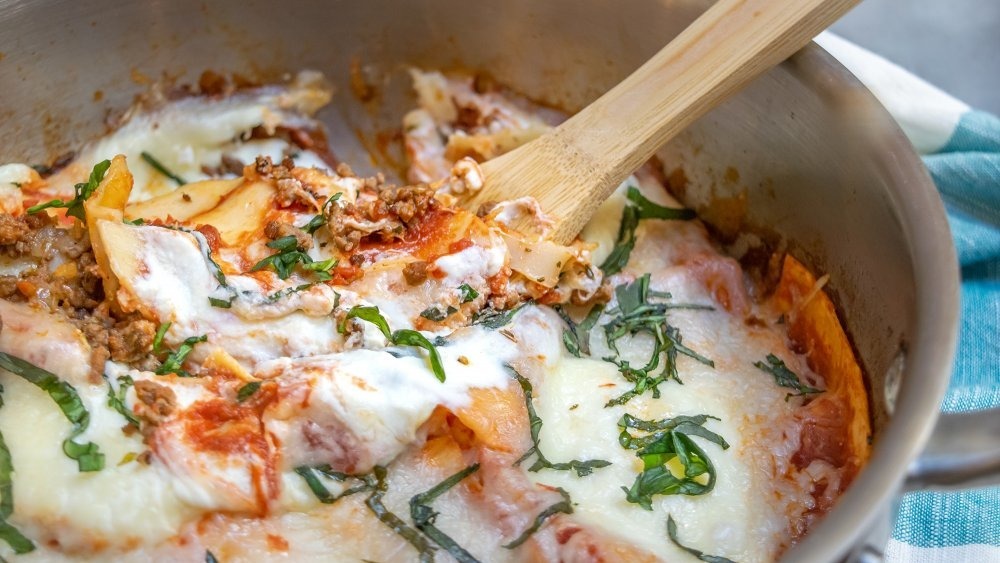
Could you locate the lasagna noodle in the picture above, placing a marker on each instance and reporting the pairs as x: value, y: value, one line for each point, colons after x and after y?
x: 815, y: 328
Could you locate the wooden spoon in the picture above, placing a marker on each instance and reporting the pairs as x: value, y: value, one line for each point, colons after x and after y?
x: 575, y: 167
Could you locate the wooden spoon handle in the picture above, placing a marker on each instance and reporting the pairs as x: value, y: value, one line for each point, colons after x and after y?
x: 574, y: 168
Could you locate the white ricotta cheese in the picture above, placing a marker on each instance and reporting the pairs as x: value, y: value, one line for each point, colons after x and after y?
x: 472, y: 265
x: 172, y: 278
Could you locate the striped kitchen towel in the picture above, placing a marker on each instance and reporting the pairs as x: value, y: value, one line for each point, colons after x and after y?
x: 961, y: 148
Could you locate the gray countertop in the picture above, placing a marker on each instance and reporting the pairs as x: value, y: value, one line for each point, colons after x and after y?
x: 953, y: 44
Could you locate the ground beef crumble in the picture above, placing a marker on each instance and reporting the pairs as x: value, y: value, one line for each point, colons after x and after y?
x: 290, y: 189
x: 385, y: 212
x: 159, y: 402
x: 59, y: 269
x: 276, y: 229
x: 12, y: 229
x: 128, y: 340
x: 415, y: 272
x: 61, y: 274
x: 131, y: 341
x: 95, y: 330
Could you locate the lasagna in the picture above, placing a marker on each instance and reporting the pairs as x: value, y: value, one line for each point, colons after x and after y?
x: 219, y: 343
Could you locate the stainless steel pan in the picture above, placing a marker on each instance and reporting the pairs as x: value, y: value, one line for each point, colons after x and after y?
x: 820, y: 163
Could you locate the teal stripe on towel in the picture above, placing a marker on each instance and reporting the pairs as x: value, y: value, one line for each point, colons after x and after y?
x: 967, y: 171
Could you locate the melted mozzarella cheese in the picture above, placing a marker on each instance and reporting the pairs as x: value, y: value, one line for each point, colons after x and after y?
x: 348, y: 531
x: 53, y: 500
x: 123, y: 505
x: 741, y: 518
x: 194, y: 133
x: 370, y: 403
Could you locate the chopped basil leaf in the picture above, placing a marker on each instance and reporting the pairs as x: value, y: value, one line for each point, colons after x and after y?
x: 402, y: 337
x: 633, y: 296
x: 423, y: 515
x: 437, y: 314
x: 288, y: 256
x: 246, y: 391
x: 88, y: 456
x: 669, y: 439
x: 687, y: 424
x: 220, y: 276
x: 6, y: 481
x: 564, y: 506
x: 322, y: 493
x: 117, y: 400
x: 624, y: 243
x: 429, y: 496
x: 319, y: 220
x: 395, y: 523
x: 672, y: 533
x: 315, y: 223
x: 221, y: 303
x: 74, y: 207
x: 637, y: 209
x: 577, y: 337
x: 582, y: 468
x: 407, y: 337
x: 158, y: 338
x: 159, y: 167
x: 649, y: 210
x: 14, y: 538
x: 284, y: 260
x: 370, y: 314
x: 284, y: 244
x: 288, y: 291
x: 175, y: 359
x: 135, y: 222
x: 494, y: 319
x: 321, y: 269
x: 636, y: 314
x: 467, y: 293
x: 785, y: 377
x: 206, y: 251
